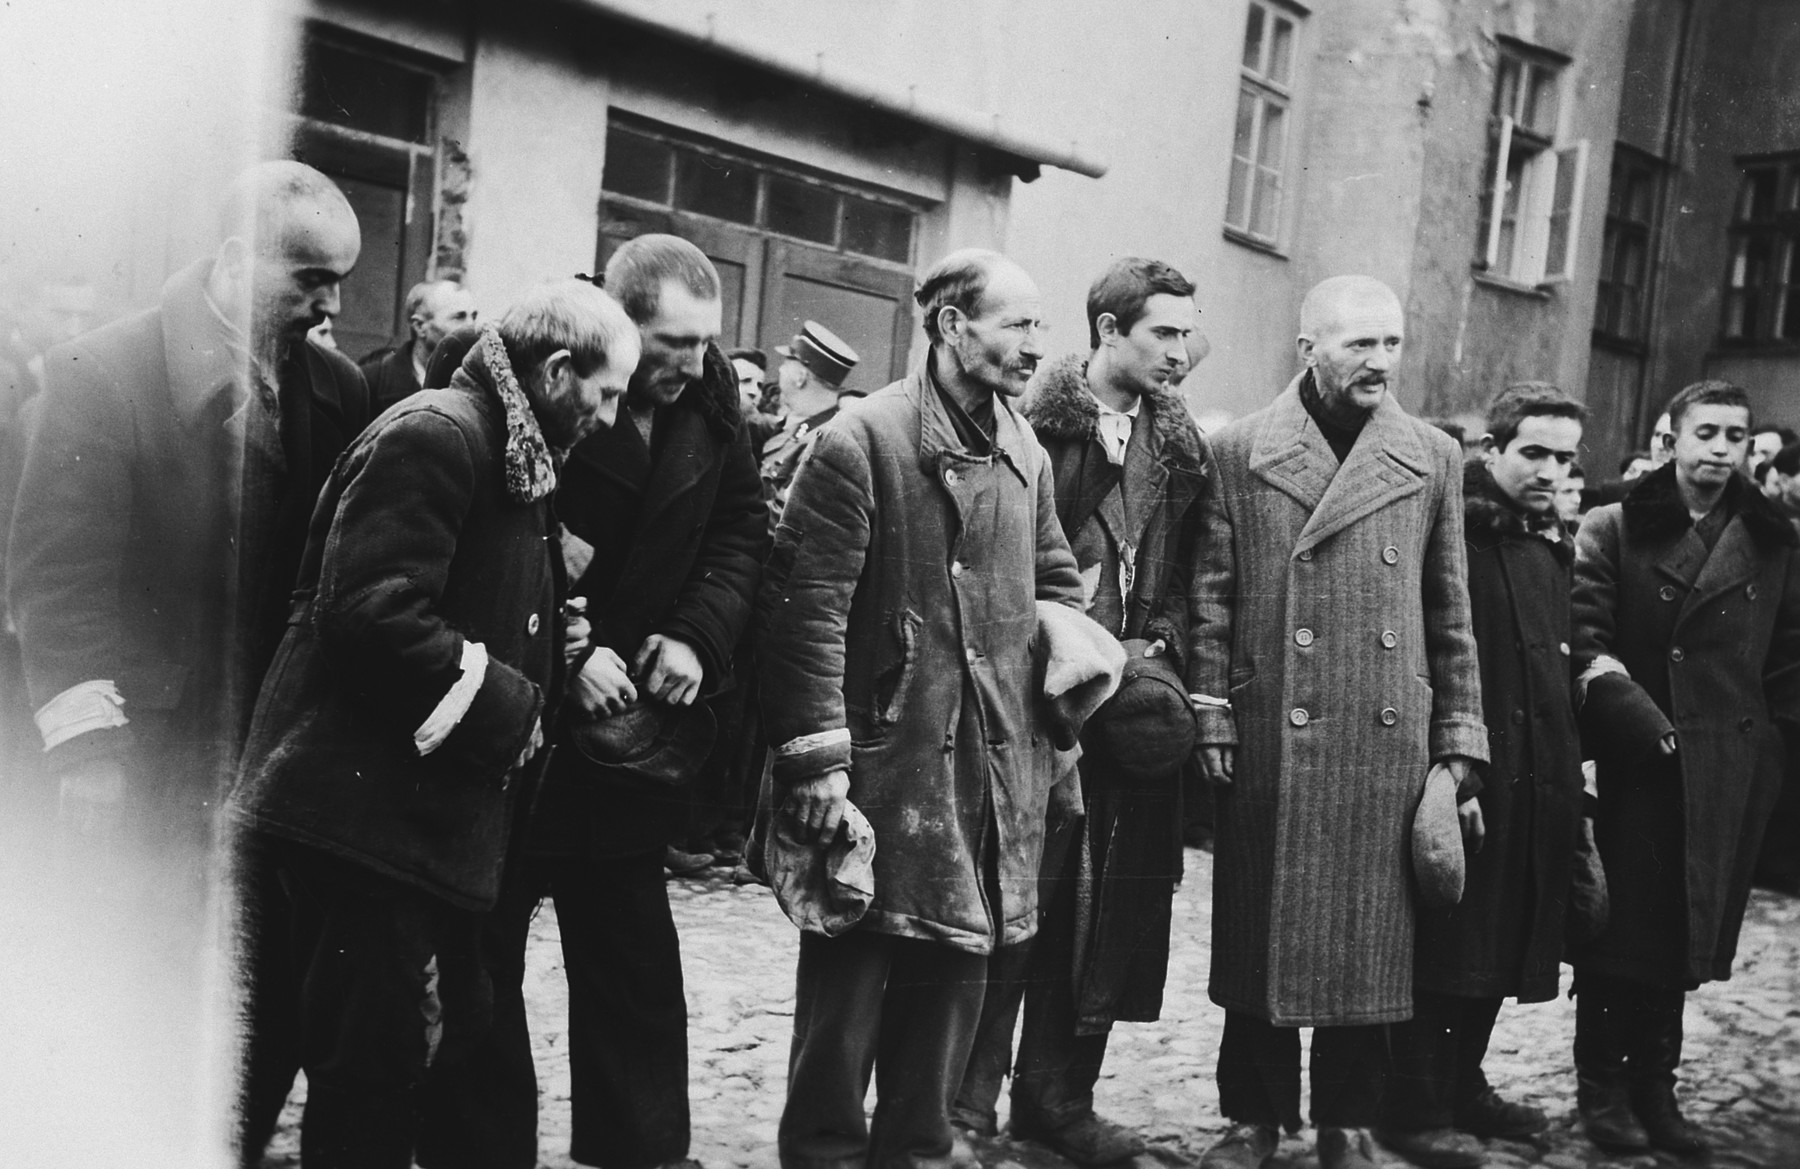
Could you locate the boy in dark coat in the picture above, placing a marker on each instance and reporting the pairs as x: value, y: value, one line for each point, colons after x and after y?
x: 418, y: 676
x: 1505, y: 936
x: 1687, y: 632
x: 1128, y: 465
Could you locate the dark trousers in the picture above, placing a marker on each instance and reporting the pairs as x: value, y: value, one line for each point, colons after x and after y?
x: 1053, y: 1080
x: 1627, y: 1030
x: 374, y: 969
x: 1436, y: 1071
x: 1259, y: 1073
x: 627, y: 1025
x: 902, y: 1007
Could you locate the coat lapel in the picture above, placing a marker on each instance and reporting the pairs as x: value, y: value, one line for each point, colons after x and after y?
x: 1728, y: 566
x: 1386, y: 464
x: 1290, y: 454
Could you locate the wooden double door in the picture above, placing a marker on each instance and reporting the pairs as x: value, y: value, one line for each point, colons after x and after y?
x: 772, y: 284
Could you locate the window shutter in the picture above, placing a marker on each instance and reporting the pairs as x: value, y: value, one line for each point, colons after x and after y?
x: 1565, y: 210
x: 1497, y: 195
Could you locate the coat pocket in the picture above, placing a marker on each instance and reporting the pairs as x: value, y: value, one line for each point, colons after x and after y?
x: 894, y: 675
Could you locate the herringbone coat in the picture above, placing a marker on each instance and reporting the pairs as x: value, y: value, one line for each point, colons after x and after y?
x: 1334, y: 613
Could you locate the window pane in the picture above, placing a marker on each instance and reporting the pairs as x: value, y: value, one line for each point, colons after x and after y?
x: 636, y: 166
x: 1787, y: 304
x: 1737, y: 314
x: 1265, y: 217
x: 1237, y: 201
x: 801, y: 209
x: 875, y: 229
x: 1506, y: 87
x: 365, y: 93
x: 1274, y: 130
x: 1539, y: 113
x: 1757, y: 199
x: 1253, y: 39
x: 1509, y: 214
x: 714, y: 186
x: 1281, y: 51
x: 1640, y: 195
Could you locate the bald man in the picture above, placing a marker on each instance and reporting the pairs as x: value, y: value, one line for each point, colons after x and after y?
x: 160, y: 520
x: 1338, y: 679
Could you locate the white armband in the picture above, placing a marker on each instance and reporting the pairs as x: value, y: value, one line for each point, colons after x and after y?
x: 455, y: 702
x: 84, y: 707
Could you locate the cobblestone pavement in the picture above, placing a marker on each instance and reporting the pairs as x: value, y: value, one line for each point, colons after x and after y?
x: 1741, y: 1078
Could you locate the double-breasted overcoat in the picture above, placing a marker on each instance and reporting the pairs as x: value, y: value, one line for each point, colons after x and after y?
x: 1711, y: 641
x: 904, y: 583
x: 1333, y: 612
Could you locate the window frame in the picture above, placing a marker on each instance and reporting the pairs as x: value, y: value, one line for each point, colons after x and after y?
x: 1774, y: 297
x: 1266, y: 91
x: 1533, y: 179
x: 1624, y: 234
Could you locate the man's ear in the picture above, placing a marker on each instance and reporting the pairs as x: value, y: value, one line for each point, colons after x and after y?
x: 1107, y: 325
x: 950, y: 321
x: 1489, y: 448
x: 1303, y: 345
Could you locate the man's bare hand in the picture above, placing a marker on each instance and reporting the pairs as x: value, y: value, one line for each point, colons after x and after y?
x: 816, y: 807
x: 578, y: 631
x: 1216, y: 762
x: 671, y: 670
x: 1474, y: 831
x: 532, y: 745
x: 604, y: 684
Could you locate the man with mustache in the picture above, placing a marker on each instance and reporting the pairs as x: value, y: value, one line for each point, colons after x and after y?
x: 896, y: 624
x: 1337, y: 681
x: 1687, y: 632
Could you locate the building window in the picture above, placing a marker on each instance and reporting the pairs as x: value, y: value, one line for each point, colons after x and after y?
x: 1264, y: 112
x: 1762, y: 283
x: 1531, y: 187
x: 646, y: 165
x: 1625, y: 247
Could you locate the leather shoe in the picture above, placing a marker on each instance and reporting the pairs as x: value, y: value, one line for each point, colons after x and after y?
x: 1435, y: 1148
x: 1606, y: 1116
x: 1088, y: 1140
x: 1244, y: 1146
x: 1346, y: 1148
x: 1663, y: 1123
x: 1491, y: 1115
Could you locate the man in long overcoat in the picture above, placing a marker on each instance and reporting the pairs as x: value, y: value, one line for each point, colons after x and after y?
x: 895, y: 632
x: 1505, y: 937
x: 1129, y: 465
x: 1338, y: 679
x: 1687, y: 631
x: 423, y: 660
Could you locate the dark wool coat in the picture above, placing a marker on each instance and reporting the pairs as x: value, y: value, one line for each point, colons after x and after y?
x: 389, y: 373
x: 679, y: 532
x: 1712, y: 645
x: 1505, y: 936
x: 416, y: 547
x: 1133, y: 831
x: 1334, y: 613
x: 903, y: 585
x: 125, y: 559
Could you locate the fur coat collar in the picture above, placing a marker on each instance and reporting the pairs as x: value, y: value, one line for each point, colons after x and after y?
x: 1653, y: 510
x: 529, y: 465
x: 1059, y: 406
x: 1490, y: 518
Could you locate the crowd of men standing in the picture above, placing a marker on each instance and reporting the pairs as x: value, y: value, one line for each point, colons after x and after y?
x: 402, y: 652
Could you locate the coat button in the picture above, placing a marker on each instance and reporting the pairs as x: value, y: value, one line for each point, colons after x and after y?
x: 1675, y: 655
x: 1745, y: 724
x: 1750, y: 591
x: 950, y: 476
x: 1389, y: 639
x: 1564, y: 647
x: 1518, y: 717
x: 1667, y: 592
x: 1390, y: 555
x: 531, y: 625
x: 971, y: 654
x: 1303, y: 637
x: 1306, y: 554
x: 1389, y: 716
x: 1298, y: 716
x: 956, y: 568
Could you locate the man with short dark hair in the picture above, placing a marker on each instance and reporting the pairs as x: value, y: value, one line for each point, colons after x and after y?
x: 1766, y: 440
x: 896, y: 626
x: 1504, y: 938
x: 1128, y: 464
x: 390, y: 748
x: 1338, y: 679
x: 666, y: 529
x: 433, y: 308
x: 1687, y: 633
